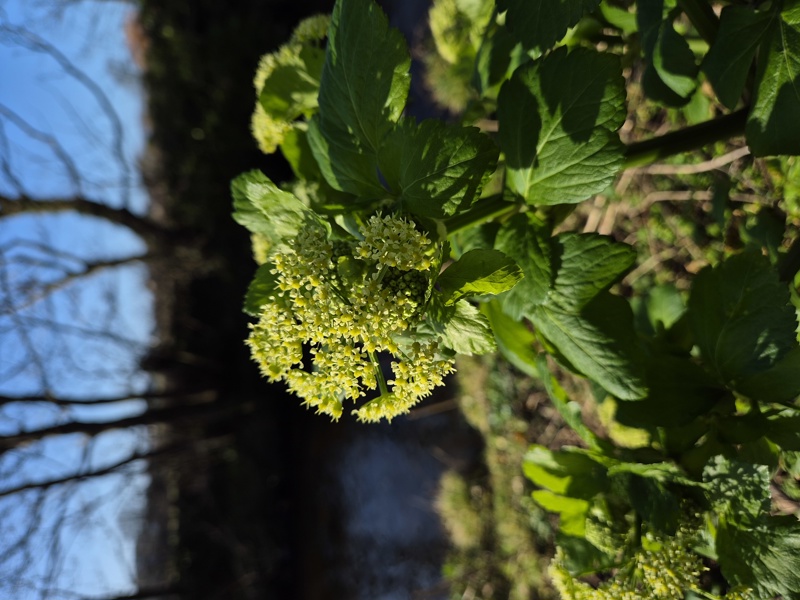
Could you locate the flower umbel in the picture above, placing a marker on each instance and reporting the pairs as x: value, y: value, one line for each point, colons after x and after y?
x: 349, y: 302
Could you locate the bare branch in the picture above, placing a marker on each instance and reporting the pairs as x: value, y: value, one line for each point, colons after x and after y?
x: 89, y: 268
x: 115, y: 467
x: 174, y: 414
x: 31, y: 41
x: 147, y: 229
x: 49, y: 141
x: 199, y: 396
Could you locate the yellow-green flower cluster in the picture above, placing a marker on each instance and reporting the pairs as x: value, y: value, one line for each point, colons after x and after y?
x: 349, y: 308
x: 395, y: 242
x: 662, y: 570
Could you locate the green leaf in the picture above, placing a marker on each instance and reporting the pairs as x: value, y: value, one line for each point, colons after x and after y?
x: 530, y: 246
x: 514, y: 339
x: 566, y: 472
x: 436, y: 169
x: 679, y: 391
x: 656, y: 505
x: 599, y: 341
x: 263, y: 208
x: 569, y: 410
x: 738, y: 490
x: 477, y: 273
x: 671, y: 74
x: 780, y: 383
x: 589, y: 264
x: 261, y: 288
x: 572, y: 511
x: 765, y: 558
x: 462, y: 327
x: 773, y: 126
x: 291, y: 88
x: 728, y: 61
x: 363, y: 91
x: 558, y: 118
x: 539, y: 25
x: 742, y: 317
x: 564, y: 294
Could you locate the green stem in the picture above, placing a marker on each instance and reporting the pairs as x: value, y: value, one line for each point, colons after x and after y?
x: 703, y: 18
x: 376, y: 366
x: 688, y: 138
x: 481, y: 211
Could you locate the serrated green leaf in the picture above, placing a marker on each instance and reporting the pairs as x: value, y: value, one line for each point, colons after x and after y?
x: 588, y: 264
x: 679, y: 391
x: 738, y: 490
x: 462, y: 327
x: 674, y: 61
x: 563, y: 294
x: 728, y: 61
x: 558, y: 119
x: 514, y: 340
x: 773, y: 126
x: 765, y: 558
x: 363, y: 91
x: 539, y: 25
x: 530, y: 246
x: 436, y: 169
x: 572, y: 511
x: 742, y: 318
x: 599, y: 341
x: 478, y: 273
x: 656, y: 505
x: 261, y: 288
x: 291, y: 88
x: 263, y: 208
x: 567, y: 472
x: 670, y: 74
x: 780, y: 383
x: 569, y: 410
x: 619, y: 17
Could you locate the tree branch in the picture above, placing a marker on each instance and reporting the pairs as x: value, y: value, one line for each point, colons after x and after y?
x: 147, y: 229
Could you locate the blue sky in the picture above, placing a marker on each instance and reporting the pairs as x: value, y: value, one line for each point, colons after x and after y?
x: 43, y: 107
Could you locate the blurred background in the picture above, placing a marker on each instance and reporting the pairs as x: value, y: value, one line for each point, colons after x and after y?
x: 140, y: 454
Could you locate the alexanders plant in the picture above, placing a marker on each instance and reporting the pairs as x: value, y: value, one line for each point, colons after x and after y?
x: 402, y: 243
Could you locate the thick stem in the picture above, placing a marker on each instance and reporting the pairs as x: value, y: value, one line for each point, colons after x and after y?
x: 481, y: 211
x: 683, y: 140
x: 703, y: 18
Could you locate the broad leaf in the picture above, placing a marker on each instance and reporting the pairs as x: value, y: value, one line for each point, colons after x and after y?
x: 476, y: 273
x: 363, y: 91
x: 263, y: 208
x: 539, y: 25
x: 780, y: 383
x: 572, y: 511
x: 564, y: 294
x: 773, y: 126
x: 737, y: 489
x: 671, y: 74
x: 261, y: 288
x: 530, y: 246
x: 765, y: 558
x: 742, y: 317
x: 589, y: 264
x: 436, y: 169
x: 728, y: 61
x: 291, y: 88
x: 514, y: 339
x: 566, y: 472
x: 679, y: 391
x: 558, y: 119
x: 462, y: 327
x: 599, y: 341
